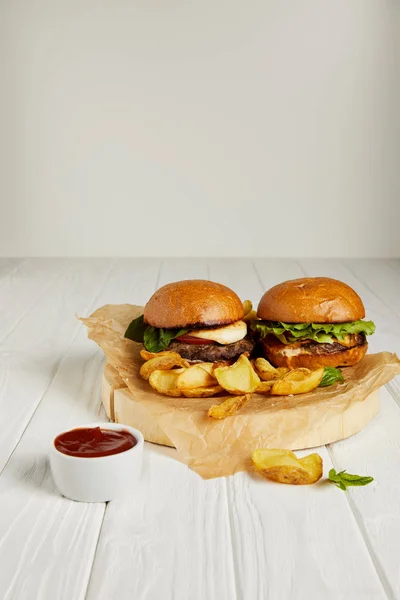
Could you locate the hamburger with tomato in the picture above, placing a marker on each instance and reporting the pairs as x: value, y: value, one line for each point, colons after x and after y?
x: 200, y: 320
x: 312, y: 322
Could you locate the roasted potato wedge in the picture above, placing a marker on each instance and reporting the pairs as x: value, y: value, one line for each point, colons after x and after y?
x: 249, y: 313
x: 227, y: 408
x: 283, y: 466
x: 240, y: 378
x: 264, y: 387
x: 262, y: 364
x: 298, y: 381
x: 281, y: 371
x: 247, y: 307
x: 251, y: 316
x: 164, y: 382
x: 220, y: 363
x: 298, y: 374
x: 202, y: 392
x: 195, y: 377
x: 266, y: 371
x: 207, y: 366
x: 146, y: 355
x: 162, y: 363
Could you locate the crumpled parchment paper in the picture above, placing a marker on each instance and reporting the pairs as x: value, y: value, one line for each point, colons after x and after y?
x: 219, y: 448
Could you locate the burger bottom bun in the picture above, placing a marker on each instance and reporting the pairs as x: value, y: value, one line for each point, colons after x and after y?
x: 341, y: 358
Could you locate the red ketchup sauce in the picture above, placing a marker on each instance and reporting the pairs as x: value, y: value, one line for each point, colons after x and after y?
x: 92, y: 442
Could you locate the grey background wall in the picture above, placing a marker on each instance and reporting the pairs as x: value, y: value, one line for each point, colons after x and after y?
x: 221, y: 128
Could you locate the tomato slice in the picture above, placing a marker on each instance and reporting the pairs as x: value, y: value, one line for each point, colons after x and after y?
x: 189, y: 339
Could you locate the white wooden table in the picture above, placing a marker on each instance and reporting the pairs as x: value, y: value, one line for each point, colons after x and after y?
x: 181, y: 538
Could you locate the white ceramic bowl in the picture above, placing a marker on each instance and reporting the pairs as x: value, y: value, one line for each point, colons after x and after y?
x: 98, y: 479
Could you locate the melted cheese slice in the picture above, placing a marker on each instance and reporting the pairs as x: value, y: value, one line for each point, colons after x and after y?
x: 347, y: 341
x: 222, y: 335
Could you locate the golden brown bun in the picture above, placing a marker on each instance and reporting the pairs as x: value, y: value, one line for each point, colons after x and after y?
x: 342, y: 358
x: 193, y: 303
x: 311, y: 300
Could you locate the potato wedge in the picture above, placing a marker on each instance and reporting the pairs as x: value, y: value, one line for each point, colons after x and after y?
x: 281, y: 371
x: 162, y: 363
x: 264, y: 387
x: 202, y: 392
x: 164, y: 382
x: 298, y: 374
x: 227, y: 408
x: 146, y: 355
x: 207, y: 366
x: 266, y: 371
x: 220, y: 363
x: 247, y: 307
x: 283, y: 466
x: 262, y: 364
x: 251, y: 316
x: 195, y: 377
x: 240, y: 378
x: 249, y: 313
x: 298, y: 381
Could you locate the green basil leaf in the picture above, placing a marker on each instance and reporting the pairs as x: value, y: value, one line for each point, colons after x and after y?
x: 349, y: 479
x: 331, y: 376
x: 151, y: 339
x: 157, y: 339
x: 324, y: 333
x: 343, y: 480
x: 333, y: 476
x: 136, y: 329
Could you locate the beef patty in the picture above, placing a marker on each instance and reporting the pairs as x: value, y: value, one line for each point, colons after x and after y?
x: 212, y: 352
x: 311, y: 347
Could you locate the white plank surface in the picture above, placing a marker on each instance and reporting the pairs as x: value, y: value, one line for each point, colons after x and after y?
x: 174, y: 539
x: 374, y: 450
x: 32, y: 351
x: 286, y: 531
x: 180, y: 537
x: 23, y: 287
x: 59, y: 537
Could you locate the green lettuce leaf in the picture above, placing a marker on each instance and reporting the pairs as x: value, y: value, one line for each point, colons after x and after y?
x: 153, y: 339
x: 324, y: 333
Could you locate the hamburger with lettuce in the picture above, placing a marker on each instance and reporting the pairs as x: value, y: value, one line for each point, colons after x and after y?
x: 200, y: 320
x: 312, y: 322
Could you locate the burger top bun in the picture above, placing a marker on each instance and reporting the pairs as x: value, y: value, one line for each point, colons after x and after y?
x: 193, y: 303
x: 311, y: 300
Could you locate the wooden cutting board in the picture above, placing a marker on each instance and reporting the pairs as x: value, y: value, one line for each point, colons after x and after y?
x: 121, y: 407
